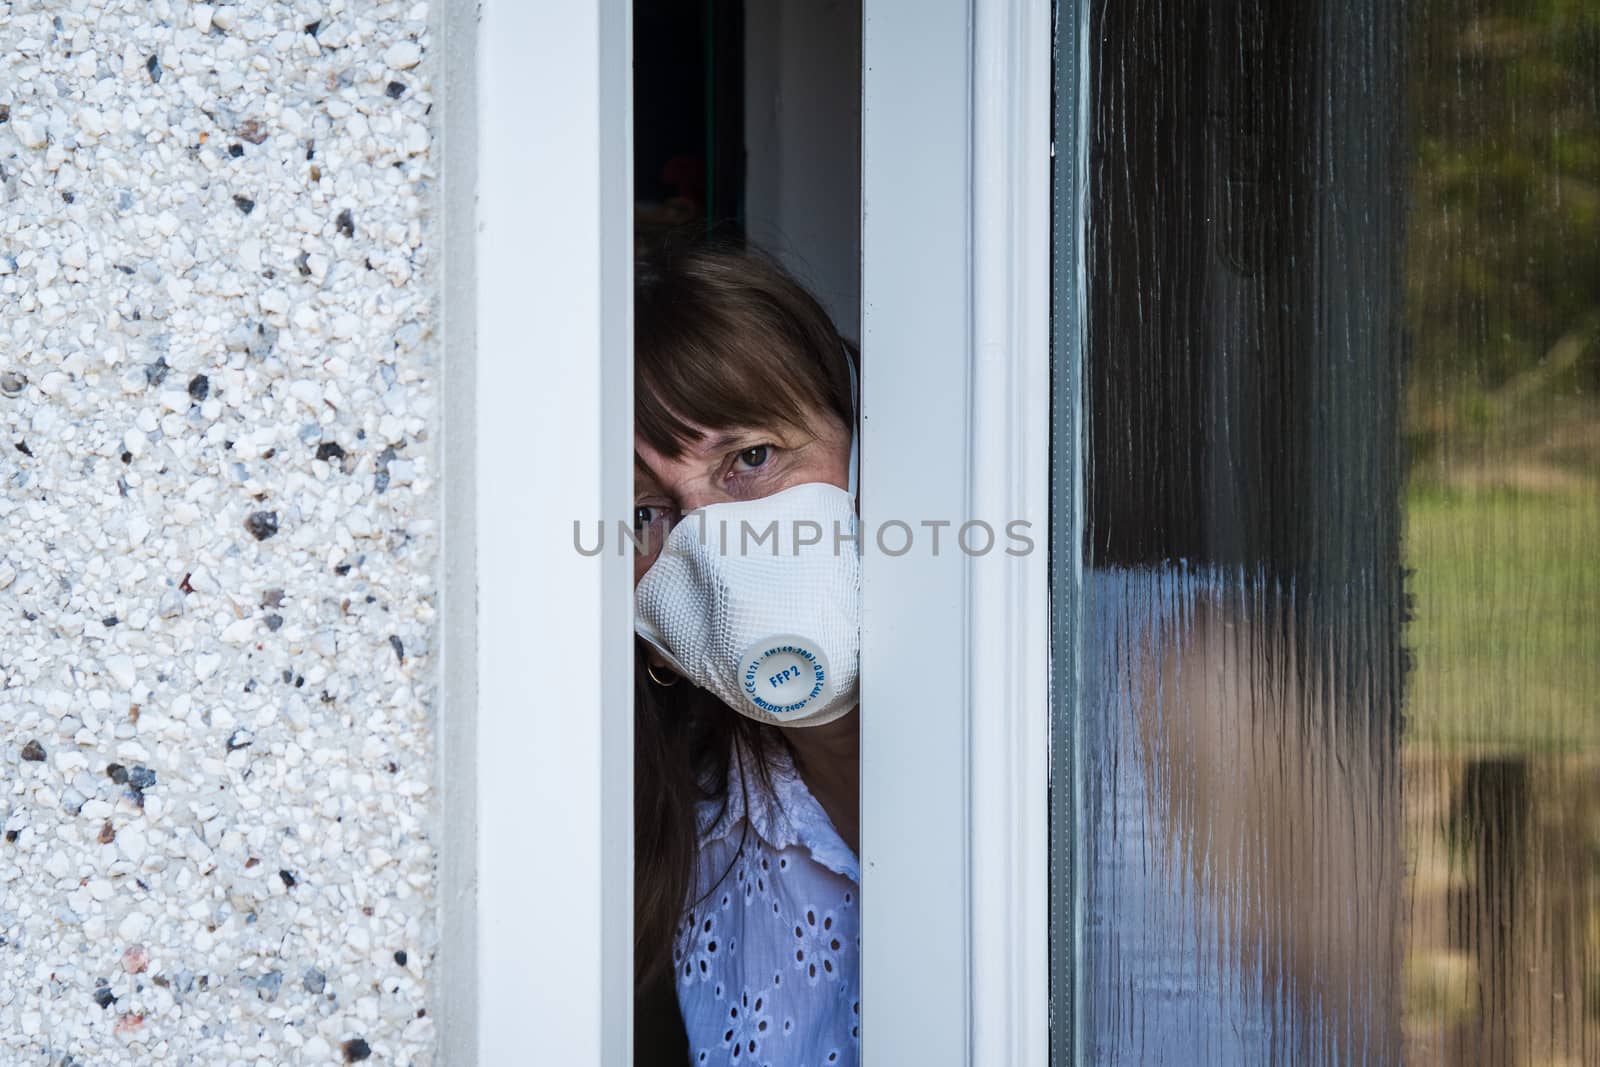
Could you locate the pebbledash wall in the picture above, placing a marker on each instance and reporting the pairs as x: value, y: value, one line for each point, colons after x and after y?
x: 219, y: 531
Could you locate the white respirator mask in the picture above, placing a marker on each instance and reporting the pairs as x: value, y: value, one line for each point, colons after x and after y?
x: 759, y: 601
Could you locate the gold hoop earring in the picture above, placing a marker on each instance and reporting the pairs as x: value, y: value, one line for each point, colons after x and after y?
x: 650, y: 669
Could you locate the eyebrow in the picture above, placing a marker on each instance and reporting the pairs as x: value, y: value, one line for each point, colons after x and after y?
x: 727, y: 439
x: 716, y: 442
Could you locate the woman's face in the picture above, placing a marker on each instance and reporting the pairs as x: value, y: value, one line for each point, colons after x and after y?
x: 746, y: 463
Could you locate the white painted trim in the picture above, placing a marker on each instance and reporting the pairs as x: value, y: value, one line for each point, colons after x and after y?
x: 915, y: 366
x: 1009, y: 675
x: 956, y: 391
x: 554, y: 443
x: 956, y: 651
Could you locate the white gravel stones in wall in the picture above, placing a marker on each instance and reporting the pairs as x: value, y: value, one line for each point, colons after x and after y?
x: 217, y: 532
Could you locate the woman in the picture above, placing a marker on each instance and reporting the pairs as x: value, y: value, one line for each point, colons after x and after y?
x: 747, y: 750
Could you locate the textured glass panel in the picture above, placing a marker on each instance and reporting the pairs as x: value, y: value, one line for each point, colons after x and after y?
x: 1340, y: 689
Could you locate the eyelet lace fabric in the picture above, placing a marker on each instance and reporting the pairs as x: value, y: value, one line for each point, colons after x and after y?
x: 768, y: 962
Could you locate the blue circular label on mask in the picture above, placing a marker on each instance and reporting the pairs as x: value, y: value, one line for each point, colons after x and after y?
x: 783, y: 675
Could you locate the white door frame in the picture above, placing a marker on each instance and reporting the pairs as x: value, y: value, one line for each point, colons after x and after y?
x: 956, y: 656
x: 553, y: 430
x: 1010, y: 472
x: 955, y: 391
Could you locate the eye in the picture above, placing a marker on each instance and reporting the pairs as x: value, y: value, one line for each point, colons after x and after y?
x: 752, y: 458
x: 651, y: 525
x: 647, y: 515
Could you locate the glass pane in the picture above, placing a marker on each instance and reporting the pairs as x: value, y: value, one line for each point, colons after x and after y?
x: 1340, y: 687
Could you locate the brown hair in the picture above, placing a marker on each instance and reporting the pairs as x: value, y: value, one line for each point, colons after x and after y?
x: 723, y: 337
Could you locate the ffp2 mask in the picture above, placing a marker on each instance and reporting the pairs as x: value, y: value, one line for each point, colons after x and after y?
x: 759, y: 603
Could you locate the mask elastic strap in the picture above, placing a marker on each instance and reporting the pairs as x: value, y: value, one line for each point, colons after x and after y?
x: 855, y: 420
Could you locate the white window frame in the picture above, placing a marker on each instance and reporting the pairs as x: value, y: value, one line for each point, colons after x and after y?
x: 536, y: 717
x: 955, y: 394
x: 552, y: 429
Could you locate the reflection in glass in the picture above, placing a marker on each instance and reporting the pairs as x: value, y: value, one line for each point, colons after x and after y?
x: 1340, y: 703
